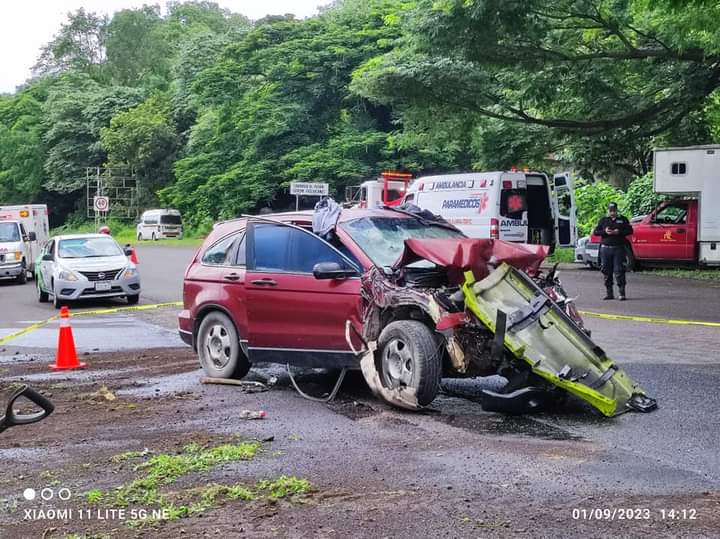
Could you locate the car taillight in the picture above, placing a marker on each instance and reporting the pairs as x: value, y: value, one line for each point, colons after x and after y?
x: 507, y: 184
x: 494, y: 229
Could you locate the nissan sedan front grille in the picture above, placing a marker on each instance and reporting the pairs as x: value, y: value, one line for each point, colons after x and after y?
x: 108, y: 275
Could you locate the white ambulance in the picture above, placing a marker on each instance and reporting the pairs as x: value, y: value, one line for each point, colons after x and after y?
x: 526, y: 207
x: 23, y: 231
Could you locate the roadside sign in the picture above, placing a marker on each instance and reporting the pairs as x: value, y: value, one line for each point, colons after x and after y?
x: 309, y: 189
x: 101, y: 203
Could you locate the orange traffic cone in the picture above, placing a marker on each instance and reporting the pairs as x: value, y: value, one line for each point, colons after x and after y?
x: 133, y: 256
x: 66, y: 357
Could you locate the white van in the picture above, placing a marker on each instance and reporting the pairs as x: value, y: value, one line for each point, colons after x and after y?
x: 513, y: 206
x: 23, y: 230
x: 158, y: 224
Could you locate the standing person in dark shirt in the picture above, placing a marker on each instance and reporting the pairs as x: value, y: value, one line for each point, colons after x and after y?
x: 613, y: 229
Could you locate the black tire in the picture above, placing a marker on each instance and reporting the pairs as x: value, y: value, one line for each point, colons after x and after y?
x: 133, y: 300
x: 153, y: 236
x: 409, y: 356
x: 57, y: 303
x: 42, y: 296
x: 22, y: 276
x: 218, y: 348
x: 139, y: 236
x: 631, y: 263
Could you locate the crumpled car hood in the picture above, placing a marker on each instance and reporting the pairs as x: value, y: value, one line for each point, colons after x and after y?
x: 480, y: 256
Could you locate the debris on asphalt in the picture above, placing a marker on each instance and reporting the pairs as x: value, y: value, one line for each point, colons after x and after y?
x: 252, y: 414
x: 245, y: 386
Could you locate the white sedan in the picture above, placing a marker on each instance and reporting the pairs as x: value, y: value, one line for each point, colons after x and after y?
x: 85, y: 266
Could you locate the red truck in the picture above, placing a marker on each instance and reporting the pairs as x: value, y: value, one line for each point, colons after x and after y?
x: 686, y: 228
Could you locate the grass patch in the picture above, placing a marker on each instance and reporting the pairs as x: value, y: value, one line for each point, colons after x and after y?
x: 284, y: 486
x: 562, y: 255
x: 163, y: 469
x: 125, y: 233
x: 687, y: 273
x: 94, y: 495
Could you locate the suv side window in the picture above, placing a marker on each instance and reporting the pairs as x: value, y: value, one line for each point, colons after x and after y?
x: 286, y: 249
x: 217, y: 254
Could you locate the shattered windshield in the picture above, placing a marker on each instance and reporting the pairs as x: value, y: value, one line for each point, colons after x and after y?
x: 382, y: 238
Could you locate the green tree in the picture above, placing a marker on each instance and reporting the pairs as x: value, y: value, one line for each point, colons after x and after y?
x: 143, y: 138
x: 76, y: 110
x: 605, y: 74
x: 80, y: 45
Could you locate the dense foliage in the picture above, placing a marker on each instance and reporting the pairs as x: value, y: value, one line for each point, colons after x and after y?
x: 216, y: 114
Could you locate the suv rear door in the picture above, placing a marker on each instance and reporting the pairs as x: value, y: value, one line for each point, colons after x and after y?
x: 292, y: 316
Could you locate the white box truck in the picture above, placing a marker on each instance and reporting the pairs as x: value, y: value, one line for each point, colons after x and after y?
x: 23, y: 231
x: 692, y: 176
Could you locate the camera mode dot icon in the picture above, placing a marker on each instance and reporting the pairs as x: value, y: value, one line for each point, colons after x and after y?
x: 29, y: 494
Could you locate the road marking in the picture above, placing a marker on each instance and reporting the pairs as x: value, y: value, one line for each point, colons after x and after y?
x: 651, y: 319
x: 113, y: 310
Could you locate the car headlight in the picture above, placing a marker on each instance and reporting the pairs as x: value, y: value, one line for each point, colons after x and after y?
x: 67, y: 275
x: 130, y: 272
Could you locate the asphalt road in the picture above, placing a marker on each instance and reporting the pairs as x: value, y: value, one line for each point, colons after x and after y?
x: 161, y: 271
x: 459, y: 461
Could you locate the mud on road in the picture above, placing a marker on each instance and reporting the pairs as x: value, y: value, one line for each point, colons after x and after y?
x: 350, y: 468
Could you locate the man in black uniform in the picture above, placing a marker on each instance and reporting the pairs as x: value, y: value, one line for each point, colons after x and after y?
x: 613, y: 229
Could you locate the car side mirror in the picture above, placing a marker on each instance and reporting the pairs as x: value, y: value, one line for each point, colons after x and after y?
x: 332, y: 270
x: 12, y: 419
x: 47, y: 257
x: 32, y: 236
x: 128, y: 250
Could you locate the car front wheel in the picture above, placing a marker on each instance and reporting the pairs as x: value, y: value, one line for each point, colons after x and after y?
x: 41, y: 294
x: 409, y: 357
x: 219, y: 349
x: 22, y: 276
x: 57, y: 303
x: 133, y: 300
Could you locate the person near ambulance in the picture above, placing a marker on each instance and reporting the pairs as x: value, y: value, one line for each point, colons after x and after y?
x: 613, y: 229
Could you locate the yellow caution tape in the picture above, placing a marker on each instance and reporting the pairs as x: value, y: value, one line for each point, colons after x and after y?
x: 650, y: 319
x: 38, y: 325
x: 114, y: 310
x: 27, y: 330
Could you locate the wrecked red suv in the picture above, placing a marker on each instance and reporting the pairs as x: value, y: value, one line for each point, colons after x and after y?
x: 269, y: 290
x: 394, y: 294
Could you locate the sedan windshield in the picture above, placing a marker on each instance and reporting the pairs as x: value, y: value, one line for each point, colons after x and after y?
x: 383, y: 238
x: 9, y: 232
x: 88, y: 248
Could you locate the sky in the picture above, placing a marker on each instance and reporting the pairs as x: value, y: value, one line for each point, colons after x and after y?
x: 26, y: 25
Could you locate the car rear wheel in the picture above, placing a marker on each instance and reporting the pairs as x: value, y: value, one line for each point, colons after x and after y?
x: 139, y: 236
x: 219, y: 348
x: 409, y: 357
x: 153, y: 236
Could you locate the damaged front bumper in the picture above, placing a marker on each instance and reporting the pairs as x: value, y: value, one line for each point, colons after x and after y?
x: 539, y: 333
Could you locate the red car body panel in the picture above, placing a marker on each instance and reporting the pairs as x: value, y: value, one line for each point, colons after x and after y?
x: 461, y: 255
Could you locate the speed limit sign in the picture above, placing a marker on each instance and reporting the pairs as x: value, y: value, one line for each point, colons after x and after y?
x: 101, y: 203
